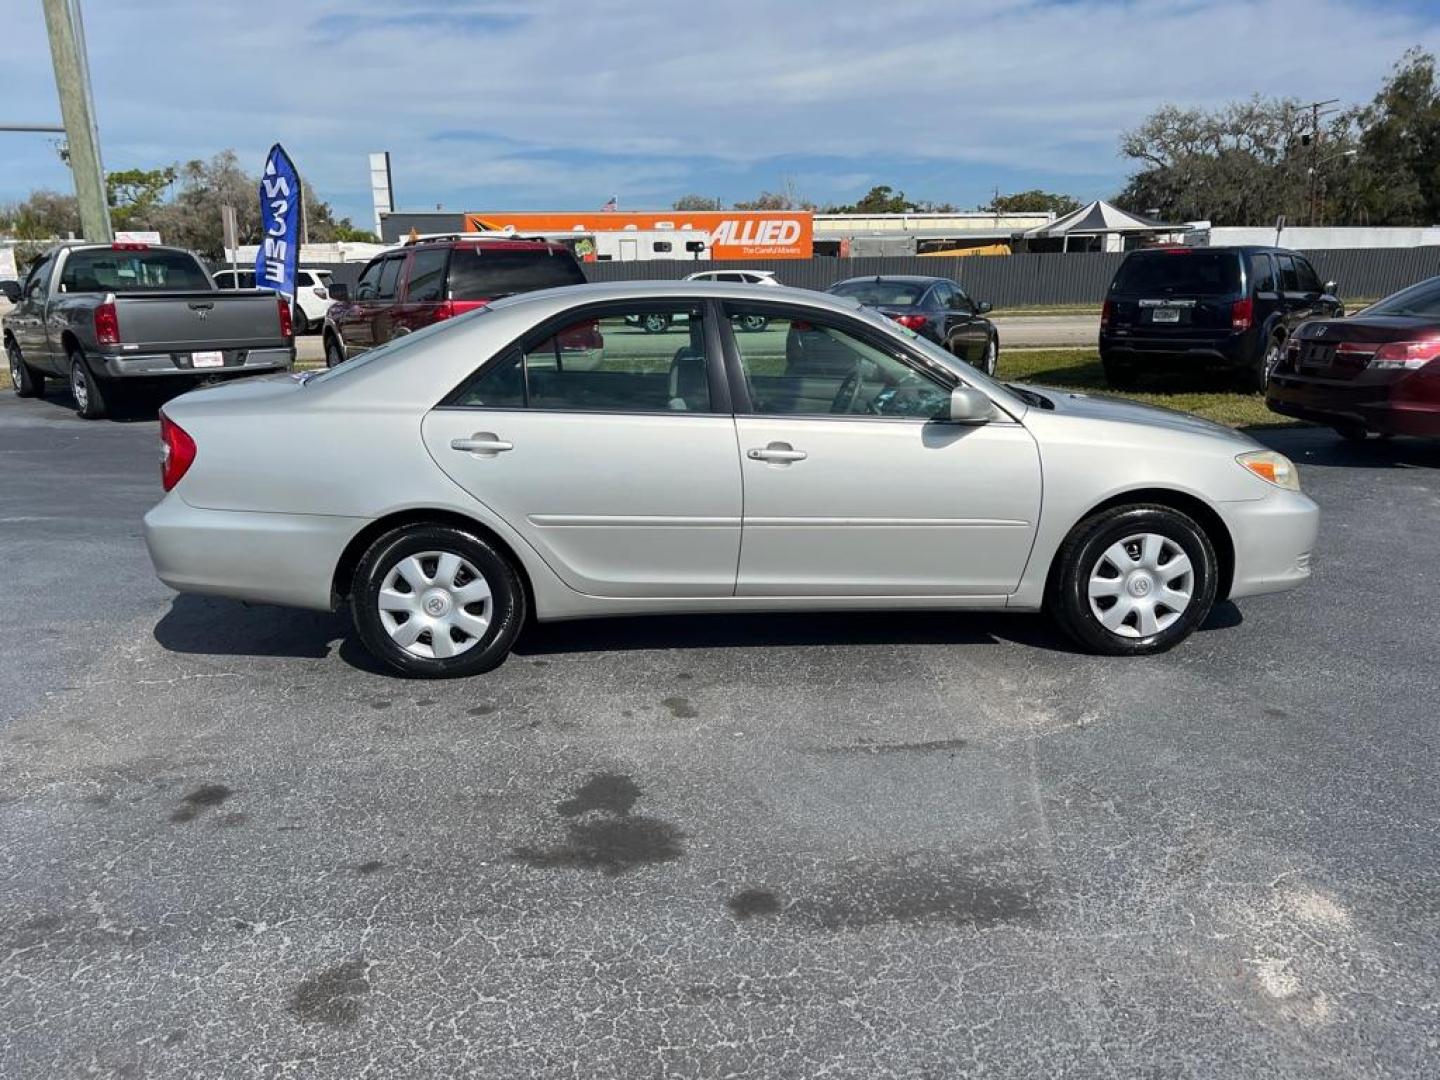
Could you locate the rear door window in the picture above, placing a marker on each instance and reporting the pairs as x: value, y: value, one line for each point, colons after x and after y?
x: 427, y: 276
x: 1179, y: 271
x: 1289, y: 277
x: 389, y: 278
x: 1262, y: 273
x: 489, y: 274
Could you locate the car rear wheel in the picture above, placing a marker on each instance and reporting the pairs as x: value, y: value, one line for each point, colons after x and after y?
x: 753, y: 323
x: 655, y: 324
x: 334, y: 354
x: 1256, y: 377
x: 1133, y: 580
x: 87, y: 390
x: 25, y: 380
x: 436, y: 602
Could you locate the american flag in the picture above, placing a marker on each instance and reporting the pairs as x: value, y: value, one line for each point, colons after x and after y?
x: 613, y: 204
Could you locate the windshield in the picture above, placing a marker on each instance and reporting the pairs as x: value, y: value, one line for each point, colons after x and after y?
x: 1422, y: 299
x: 1179, y: 270
x: 119, y: 271
x: 391, y: 348
x: 880, y: 291
x: 477, y: 274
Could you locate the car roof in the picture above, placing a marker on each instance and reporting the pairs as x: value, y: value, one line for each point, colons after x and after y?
x: 1240, y: 249
x: 565, y: 296
x: 902, y: 279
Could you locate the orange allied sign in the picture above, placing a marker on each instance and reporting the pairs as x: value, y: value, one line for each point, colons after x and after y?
x: 734, y: 234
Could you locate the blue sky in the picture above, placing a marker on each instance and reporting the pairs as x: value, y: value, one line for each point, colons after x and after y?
x: 559, y: 105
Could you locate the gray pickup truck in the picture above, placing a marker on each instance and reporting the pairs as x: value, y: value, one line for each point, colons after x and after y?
x: 103, y: 316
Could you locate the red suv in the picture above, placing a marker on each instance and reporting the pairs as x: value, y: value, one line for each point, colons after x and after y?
x: 437, y: 278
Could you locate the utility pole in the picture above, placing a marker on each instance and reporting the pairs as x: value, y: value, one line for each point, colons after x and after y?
x: 77, y: 108
x: 1317, y: 110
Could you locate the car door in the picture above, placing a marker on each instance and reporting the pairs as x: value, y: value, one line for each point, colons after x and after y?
x: 27, y: 321
x: 853, y: 488
x: 622, y: 471
x: 387, y: 292
x: 1303, y: 296
x: 353, y: 318
x: 1264, y: 290
x: 967, y: 335
x: 422, y: 290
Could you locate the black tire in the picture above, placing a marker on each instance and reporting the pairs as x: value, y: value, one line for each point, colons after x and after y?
x: 1255, y: 377
x: 24, y: 380
x: 1120, y: 375
x: 990, y: 360
x: 654, y: 323
x: 90, y: 393
x: 1085, y: 552
x: 1352, y: 432
x: 334, y: 354
x: 753, y: 324
x: 505, y: 607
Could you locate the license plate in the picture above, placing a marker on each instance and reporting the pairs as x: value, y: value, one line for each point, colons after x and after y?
x: 1317, y: 355
x: 207, y: 359
x: 1165, y: 315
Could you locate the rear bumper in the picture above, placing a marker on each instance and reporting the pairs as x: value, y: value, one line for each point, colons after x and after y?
x: 161, y: 365
x: 1273, y: 539
x: 266, y: 558
x: 1220, y: 350
x: 1381, y: 406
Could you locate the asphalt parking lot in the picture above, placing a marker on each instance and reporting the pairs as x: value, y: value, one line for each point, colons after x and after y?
x: 779, y: 846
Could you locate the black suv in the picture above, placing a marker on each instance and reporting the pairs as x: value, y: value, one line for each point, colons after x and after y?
x: 1222, y: 307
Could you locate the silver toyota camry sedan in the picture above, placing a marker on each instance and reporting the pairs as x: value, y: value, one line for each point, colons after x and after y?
x: 544, y: 456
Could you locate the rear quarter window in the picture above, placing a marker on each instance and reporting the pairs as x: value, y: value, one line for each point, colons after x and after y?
x: 486, y: 274
x: 1187, y: 270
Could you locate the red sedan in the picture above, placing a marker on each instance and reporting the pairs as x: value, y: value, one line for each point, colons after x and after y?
x: 1377, y: 372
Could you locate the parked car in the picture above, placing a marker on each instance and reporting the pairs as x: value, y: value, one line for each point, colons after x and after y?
x: 1377, y: 372
x: 1229, y: 308
x: 935, y: 308
x: 101, y: 316
x: 735, y: 277
x: 434, y: 279
x: 474, y: 480
x: 312, y: 294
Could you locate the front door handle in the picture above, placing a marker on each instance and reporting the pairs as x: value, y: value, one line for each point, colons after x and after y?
x: 777, y: 453
x: 482, y: 443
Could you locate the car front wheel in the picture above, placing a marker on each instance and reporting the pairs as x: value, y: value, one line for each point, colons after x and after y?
x: 436, y: 602
x: 1134, y: 580
x: 25, y: 380
x: 334, y: 354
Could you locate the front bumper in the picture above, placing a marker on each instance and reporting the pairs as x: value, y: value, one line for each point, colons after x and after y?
x: 1273, y: 539
x: 285, y: 559
x: 161, y: 365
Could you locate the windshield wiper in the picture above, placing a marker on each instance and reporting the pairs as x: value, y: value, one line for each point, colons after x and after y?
x: 1030, y: 397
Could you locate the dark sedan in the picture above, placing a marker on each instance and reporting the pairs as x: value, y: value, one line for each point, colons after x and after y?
x: 935, y: 308
x: 1377, y: 372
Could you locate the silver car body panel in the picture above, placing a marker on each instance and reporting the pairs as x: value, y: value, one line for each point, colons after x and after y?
x: 653, y: 512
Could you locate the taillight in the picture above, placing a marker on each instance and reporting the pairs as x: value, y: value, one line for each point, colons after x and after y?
x: 911, y: 322
x: 107, y: 324
x: 287, y: 328
x: 1107, y: 312
x: 177, y: 452
x: 1405, y: 354
x: 1242, y: 314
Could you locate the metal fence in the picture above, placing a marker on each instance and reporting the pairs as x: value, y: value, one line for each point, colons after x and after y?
x: 1021, y: 280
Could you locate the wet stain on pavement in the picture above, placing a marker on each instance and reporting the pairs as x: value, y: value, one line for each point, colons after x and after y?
x: 481, y: 710
x: 613, y: 793
x: 901, y: 894
x: 205, y: 797
x: 233, y: 820
x: 379, y: 703
x: 1275, y: 713
x: 369, y: 867
x: 747, y: 903
x: 334, y: 996
x: 680, y: 708
x: 610, y: 846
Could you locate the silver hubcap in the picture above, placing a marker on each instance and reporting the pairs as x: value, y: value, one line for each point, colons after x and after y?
x: 435, y: 604
x: 14, y: 367
x: 1141, y: 585
x: 78, y: 388
x: 990, y: 359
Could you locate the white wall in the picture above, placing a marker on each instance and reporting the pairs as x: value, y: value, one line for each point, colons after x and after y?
x: 1311, y: 239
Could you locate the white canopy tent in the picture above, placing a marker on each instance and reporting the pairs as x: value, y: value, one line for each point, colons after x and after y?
x: 1100, y: 219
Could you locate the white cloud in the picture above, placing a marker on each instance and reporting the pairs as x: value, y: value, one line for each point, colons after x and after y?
x: 555, y: 103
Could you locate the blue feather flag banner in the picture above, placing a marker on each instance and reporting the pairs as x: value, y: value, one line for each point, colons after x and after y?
x: 280, y: 196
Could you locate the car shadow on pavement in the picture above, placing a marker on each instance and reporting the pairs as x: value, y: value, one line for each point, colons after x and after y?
x: 1322, y: 447
x: 134, y: 406
x: 214, y: 626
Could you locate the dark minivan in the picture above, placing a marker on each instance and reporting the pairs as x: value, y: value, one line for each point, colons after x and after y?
x: 437, y: 278
x: 1228, y: 308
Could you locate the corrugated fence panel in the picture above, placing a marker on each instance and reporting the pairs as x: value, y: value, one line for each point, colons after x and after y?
x: 1009, y: 281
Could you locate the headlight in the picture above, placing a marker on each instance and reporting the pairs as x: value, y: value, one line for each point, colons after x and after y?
x: 1273, y: 468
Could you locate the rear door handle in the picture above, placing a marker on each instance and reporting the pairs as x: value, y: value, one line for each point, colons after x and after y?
x: 777, y: 453
x: 482, y: 443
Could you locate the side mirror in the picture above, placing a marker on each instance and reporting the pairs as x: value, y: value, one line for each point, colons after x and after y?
x: 984, y: 307
x: 340, y: 293
x: 969, y: 406
x: 11, y: 289
x: 1332, y: 288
